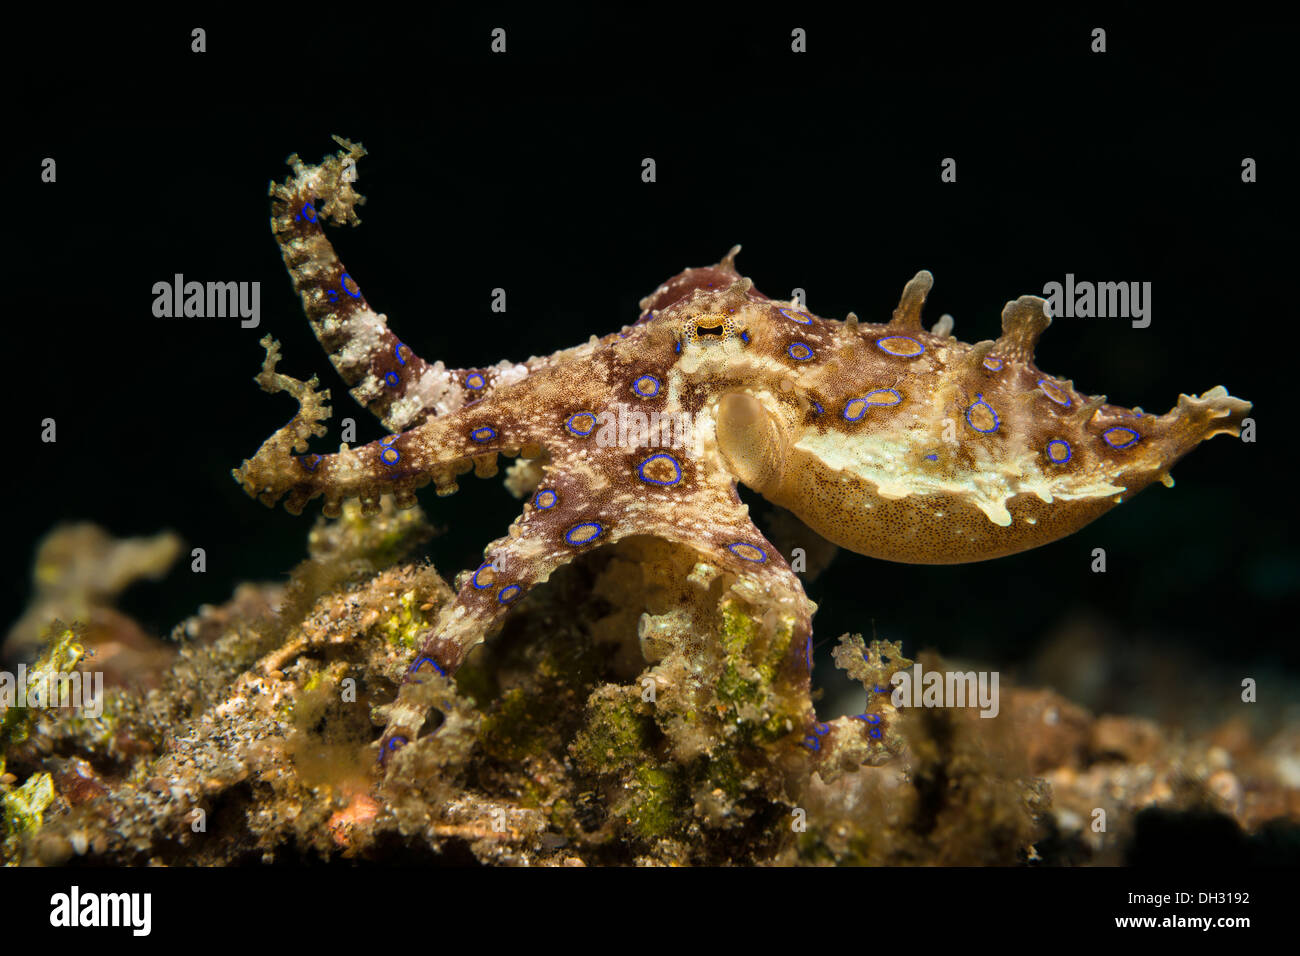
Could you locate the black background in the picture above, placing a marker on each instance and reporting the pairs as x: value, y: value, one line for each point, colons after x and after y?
x: 523, y: 171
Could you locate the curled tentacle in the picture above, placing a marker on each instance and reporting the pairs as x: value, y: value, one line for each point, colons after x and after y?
x: 261, y: 474
x: 439, y: 451
x: 385, y: 375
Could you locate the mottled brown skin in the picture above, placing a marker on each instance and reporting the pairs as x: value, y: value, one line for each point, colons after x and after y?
x: 930, y: 515
x: 890, y: 440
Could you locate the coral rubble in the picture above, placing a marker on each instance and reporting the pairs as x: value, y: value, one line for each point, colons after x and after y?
x: 638, y: 709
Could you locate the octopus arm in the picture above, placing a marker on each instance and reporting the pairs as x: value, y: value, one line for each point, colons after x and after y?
x: 575, y: 509
x: 438, y: 451
x: 401, y: 389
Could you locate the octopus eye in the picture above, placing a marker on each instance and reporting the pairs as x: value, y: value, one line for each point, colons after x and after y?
x: 708, y: 329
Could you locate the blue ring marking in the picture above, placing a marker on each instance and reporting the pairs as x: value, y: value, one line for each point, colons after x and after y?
x: 581, y: 434
x: 812, y: 743
x: 869, y: 718
x: 1044, y: 385
x: 415, y: 668
x: 874, y: 732
x: 1052, y: 456
x: 640, y: 470
x: 636, y: 386
x: 880, y: 344
x: 979, y: 400
x: 848, y: 417
x: 794, y: 317
x: 479, y: 435
x: 344, y: 285
x: 931, y: 457
x: 821, y: 729
x: 543, y: 503
x: 996, y: 367
x: 392, y: 379
x: 817, y: 406
x: 384, y: 455
x: 393, y: 744
x: 744, y: 336
x: 397, y: 350
x: 474, y: 580
x: 753, y: 547
x: 808, y: 653
x: 305, y: 459
x: 587, y: 539
x: 883, y: 391
x: 308, y: 211
x: 1119, y: 428
x: 678, y: 347
x: 803, y: 347
x: 508, y: 593
x: 474, y: 381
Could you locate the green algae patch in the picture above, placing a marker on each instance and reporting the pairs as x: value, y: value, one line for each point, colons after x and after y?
x: 734, y: 688
x: 651, y: 810
x: 23, y: 807
x: 615, y: 736
x: 406, y: 623
x: 740, y: 681
x: 519, y: 724
x: 739, y: 630
x: 541, y: 711
x: 63, y: 652
x: 562, y: 816
x: 724, y: 772
x: 751, y: 684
